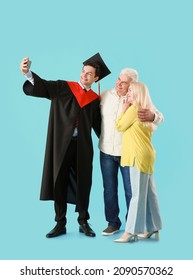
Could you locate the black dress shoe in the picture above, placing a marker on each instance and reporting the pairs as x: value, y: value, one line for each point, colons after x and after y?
x: 87, y: 230
x: 59, y: 229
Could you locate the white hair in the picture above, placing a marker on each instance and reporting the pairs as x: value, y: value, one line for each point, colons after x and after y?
x: 131, y: 73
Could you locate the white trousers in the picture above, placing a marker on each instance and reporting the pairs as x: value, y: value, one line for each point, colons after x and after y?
x: 144, y: 213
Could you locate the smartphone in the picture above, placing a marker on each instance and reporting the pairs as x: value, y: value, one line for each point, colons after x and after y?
x: 29, y: 64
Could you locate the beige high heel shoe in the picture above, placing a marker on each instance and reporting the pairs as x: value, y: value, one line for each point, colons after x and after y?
x: 127, y: 239
x: 149, y: 234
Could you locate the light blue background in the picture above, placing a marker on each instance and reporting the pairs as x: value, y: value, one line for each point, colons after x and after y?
x: 155, y: 37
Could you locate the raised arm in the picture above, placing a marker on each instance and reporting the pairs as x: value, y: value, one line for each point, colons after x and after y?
x: 126, y: 119
x: 36, y: 86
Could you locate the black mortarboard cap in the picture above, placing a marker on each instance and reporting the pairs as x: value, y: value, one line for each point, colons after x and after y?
x: 104, y: 70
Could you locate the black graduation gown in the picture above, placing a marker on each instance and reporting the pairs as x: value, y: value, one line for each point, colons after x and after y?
x: 63, y: 112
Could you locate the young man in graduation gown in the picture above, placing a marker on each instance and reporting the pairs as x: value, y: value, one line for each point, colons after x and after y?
x: 74, y: 111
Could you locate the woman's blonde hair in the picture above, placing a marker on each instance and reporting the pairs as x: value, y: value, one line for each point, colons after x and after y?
x: 142, y: 99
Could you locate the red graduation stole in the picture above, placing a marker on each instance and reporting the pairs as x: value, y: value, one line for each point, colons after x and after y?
x: 83, y: 97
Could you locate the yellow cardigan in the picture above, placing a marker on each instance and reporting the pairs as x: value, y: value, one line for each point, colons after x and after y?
x: 137, y: 148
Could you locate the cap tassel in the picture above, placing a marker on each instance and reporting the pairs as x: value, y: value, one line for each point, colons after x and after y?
x: 99, y: 88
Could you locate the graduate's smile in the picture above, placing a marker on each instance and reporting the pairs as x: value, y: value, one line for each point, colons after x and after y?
x: 87, y: 76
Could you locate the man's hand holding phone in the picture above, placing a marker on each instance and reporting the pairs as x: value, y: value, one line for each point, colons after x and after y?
x: 25, y: 65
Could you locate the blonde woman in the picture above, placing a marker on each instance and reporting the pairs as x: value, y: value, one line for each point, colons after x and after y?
x: 139, y: 155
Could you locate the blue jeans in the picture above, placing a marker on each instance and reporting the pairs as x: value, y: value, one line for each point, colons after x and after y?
x: 110, y: 166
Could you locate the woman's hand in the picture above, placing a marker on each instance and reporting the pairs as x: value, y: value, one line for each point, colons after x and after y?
x: 126, y: 104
